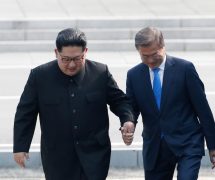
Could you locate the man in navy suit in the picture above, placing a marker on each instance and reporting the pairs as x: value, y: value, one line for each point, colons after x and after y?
x: 170, y: 96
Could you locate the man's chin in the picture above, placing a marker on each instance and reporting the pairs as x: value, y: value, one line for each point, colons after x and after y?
x: 71, y: 73
x: 151, y: 65
x: 154, y: 64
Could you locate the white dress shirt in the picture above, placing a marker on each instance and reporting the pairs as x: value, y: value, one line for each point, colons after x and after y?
x: 161, y: 72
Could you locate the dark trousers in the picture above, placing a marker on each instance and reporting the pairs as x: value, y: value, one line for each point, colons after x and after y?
x: 82, y: 175
x: 60, y: 165
x: 187, y: 166
x: 79, y: 174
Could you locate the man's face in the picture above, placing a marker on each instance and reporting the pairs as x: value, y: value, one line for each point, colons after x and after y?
x: 71, y: 59
x: 152, y: 55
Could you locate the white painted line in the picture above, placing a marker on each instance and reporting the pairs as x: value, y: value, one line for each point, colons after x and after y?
x: 127, y: 149
x: 38, y: 145
x: 210, y: 93
x: 16, y: 67
x: 136, y: 146
x: 204, y: 64
x: 9, y: 97
x: 11, y: 145
x: 122, y: 144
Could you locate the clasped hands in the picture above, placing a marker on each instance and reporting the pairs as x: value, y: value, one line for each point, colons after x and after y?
x: 127, y: 131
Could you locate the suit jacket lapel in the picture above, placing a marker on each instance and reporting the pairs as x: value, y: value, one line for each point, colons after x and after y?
x: 167, y: 79
x: 147, y: 88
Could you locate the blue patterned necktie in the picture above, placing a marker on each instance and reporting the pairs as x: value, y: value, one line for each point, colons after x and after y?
x: 157, y: 86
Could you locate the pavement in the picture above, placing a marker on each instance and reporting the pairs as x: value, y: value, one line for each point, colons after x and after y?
x: 59, y: 9
x: 114, y: 174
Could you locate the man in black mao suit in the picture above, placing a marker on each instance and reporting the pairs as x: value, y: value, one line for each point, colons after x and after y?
x: 170, y: 96
x: 70, y: 95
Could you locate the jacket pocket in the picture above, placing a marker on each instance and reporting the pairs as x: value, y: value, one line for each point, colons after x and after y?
x: 103, y: 138
x: 190, y: 127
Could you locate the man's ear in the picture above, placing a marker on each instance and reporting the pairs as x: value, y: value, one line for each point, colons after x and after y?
x: 56, y: 52
x: 86, y: 50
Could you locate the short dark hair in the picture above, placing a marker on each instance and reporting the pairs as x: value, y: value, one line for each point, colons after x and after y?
x: 71, y: 37
x: 148, y: 36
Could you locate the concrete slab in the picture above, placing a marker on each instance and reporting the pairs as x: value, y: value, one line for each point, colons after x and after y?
x: 206, y: 8
x: 81, y: 8
x: 12, y: 80
x: 11, y: 35
x: 15, y: 59
x: 106, y: 34
x: 163, y: 8
x: 108, y: 45
x: 10, y: 9
x: 41, y: 9
x: 126, y: 8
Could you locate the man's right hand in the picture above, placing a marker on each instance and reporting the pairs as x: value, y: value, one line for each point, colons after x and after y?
x: 20, y: 158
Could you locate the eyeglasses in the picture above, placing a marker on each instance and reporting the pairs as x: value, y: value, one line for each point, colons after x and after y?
x: 67, y: 60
